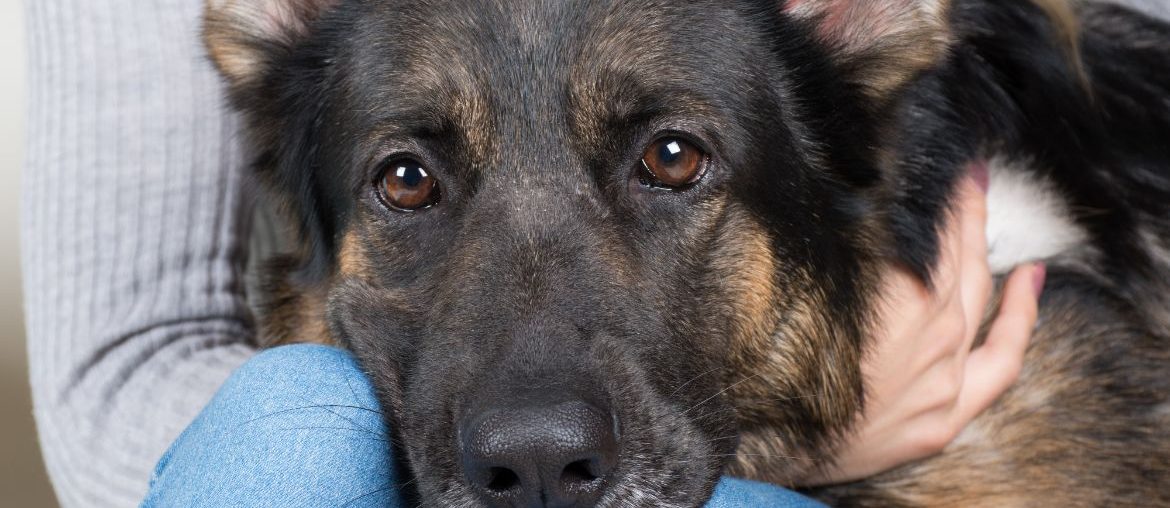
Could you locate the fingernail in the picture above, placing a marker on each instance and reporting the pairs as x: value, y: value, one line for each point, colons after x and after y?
x: 981, y: 175
x: 1039, y: 274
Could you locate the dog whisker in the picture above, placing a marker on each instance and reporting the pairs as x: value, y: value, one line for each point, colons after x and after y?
x: 367, y: 494
x: 759, y: 455
x: 721, y: 392
x: 302, y: 408
x: 330, y: 409
x: 721, y: 410
x: 696, y: 378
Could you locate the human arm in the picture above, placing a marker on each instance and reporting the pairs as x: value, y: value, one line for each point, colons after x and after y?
x: 133, y: 237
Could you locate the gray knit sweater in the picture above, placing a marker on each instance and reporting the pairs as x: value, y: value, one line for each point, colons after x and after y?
x: 134, y: 228
x: 133, y: 223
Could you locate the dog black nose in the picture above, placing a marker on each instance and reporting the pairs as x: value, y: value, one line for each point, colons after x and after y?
x: 550, y: 455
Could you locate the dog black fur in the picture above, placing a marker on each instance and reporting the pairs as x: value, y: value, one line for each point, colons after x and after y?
x: 721, y: 325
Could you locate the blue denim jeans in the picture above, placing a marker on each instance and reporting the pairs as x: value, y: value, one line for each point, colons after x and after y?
x: 298, y: 426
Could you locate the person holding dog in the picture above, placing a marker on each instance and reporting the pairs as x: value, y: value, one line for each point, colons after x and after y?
x: 136, y: 235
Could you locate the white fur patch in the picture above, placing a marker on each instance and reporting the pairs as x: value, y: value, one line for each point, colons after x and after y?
x: 1027, y: 219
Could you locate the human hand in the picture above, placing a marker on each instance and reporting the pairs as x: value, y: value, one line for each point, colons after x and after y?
x: 924, y: 382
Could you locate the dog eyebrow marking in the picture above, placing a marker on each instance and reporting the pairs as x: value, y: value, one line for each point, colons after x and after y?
x: 441, y: 106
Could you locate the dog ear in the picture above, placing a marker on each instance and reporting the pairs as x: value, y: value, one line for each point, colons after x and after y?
x: 248, y: 40
x: 243, y: 35
x: 880, y: 43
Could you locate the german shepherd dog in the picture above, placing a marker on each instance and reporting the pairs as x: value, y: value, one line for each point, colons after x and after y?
x: 603, y: 252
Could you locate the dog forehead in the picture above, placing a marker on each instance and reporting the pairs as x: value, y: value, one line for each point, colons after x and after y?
x: 524, y: 54
x: 515, y: 78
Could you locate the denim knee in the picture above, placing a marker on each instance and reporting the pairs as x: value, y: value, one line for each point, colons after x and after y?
x: 294, y: 426
x: 300, y: 426
x: 734, y: 493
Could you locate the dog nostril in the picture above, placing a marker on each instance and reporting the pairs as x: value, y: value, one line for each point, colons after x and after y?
x: 578, y: 474
x: 502, y: 480
x: 557, y: 454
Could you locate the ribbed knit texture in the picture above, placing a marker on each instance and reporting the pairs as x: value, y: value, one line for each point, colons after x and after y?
x: 133, y: 220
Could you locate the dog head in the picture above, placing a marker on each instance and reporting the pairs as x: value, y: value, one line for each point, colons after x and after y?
x: 588, y: 252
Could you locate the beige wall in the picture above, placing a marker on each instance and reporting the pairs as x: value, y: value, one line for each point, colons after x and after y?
x: 22, y: 475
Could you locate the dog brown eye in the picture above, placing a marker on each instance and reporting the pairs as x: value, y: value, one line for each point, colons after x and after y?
x: 407, y: 186
x: 673, y: 162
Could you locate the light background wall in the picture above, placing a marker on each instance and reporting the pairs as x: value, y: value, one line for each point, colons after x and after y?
x: 23, y: 482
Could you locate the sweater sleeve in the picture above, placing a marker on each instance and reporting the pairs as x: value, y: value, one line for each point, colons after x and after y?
x: 134, y: 235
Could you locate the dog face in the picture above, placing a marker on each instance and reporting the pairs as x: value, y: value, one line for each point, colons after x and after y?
x: 587, y: 251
